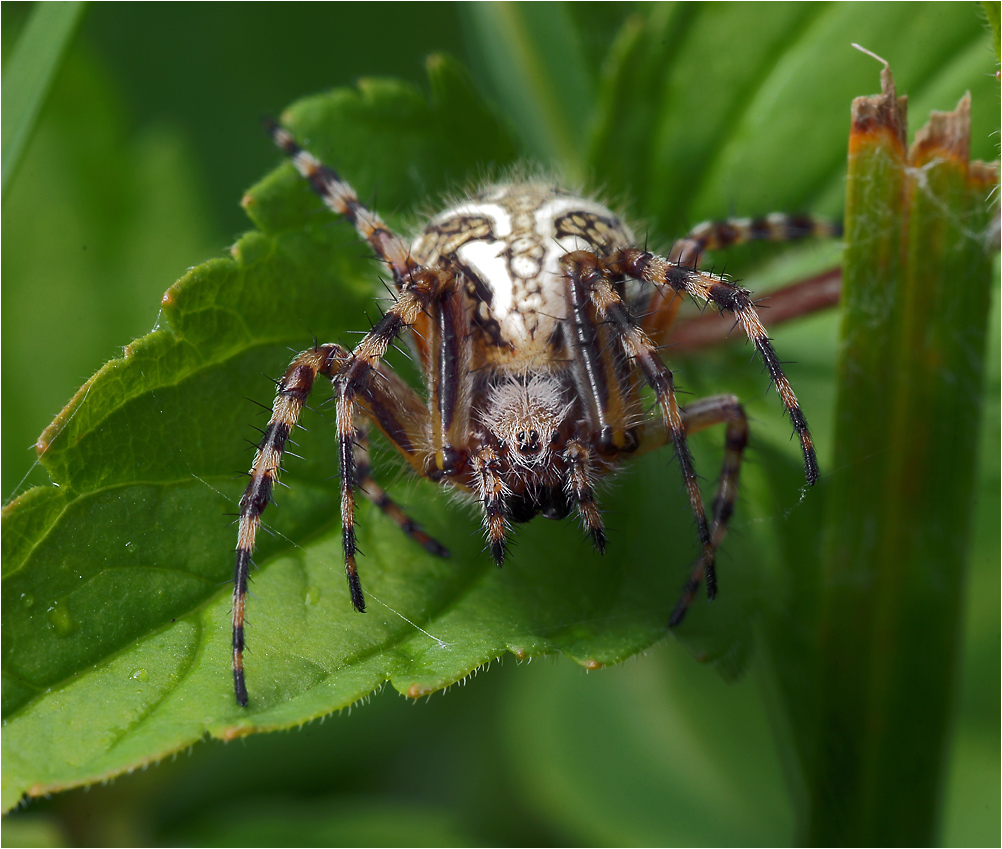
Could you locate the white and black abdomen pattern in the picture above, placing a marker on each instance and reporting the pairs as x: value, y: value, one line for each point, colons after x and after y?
x: 507, y: 241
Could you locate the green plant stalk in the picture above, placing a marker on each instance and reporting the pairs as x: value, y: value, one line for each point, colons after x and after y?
x: 542, y: 82
x: 29, y: 74
x: 917, y: 284
x: 993, y: 14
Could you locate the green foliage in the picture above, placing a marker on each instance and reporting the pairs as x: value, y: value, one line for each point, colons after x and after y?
x: 115, y: 603
x: 29, y: 74
x: 993, y: 15
x: 916, y: 298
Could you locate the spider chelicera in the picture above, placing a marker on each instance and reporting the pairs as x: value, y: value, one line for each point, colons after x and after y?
x: 536, y: 322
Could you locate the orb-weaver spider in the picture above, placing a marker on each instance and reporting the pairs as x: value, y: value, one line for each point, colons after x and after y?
x: 536, y: 322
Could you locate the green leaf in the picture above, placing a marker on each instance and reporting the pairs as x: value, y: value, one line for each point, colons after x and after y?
x: 993, y: 14
x: 28, y: 75
x: 703, y: 105
x: 534, y: 59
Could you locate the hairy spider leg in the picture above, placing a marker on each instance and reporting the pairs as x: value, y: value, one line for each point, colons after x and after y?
x: 368, y: 387
x: 719, y: 409
x: 701, y: 414
x: 582, y: 472
x: 377, y: 495
x: 586, y: 275
x: 449, y: 350
x: 606, y: 369
x: 491, y: 491
x: 711, y: 288
x: 798, y: 299
x: 356, y: 381
x: 399, y: 413
x: 661, y: 308
x: 340, y: 197
x: 389, y: 403
x: 608, y: 383
x: 776, y: 227
x: 293, y: 391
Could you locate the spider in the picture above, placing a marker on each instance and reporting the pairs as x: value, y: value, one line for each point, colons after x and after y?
x: 536, y: 322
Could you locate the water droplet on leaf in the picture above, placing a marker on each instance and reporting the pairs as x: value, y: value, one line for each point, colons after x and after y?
x: 60, y: 619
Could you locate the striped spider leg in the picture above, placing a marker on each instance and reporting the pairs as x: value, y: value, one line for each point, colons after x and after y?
x: 386, y: 401
x: 669, y: 279
x: 362, y: 386
x: 792, y: 301
x: 514, y: 301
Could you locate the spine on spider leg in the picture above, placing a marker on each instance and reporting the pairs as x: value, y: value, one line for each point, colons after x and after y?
x: 293, y: 390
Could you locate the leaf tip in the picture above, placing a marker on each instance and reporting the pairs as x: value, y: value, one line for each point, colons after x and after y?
x: 419, y: 689
x: 946, y: 135
x: 235, y: 732
x: 170, y: 299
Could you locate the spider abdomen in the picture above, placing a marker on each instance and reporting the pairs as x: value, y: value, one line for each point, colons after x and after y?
x: 507, y: 243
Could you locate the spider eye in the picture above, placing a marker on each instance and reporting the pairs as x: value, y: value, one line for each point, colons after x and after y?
x: 528, y: 442
x: 554, y: 437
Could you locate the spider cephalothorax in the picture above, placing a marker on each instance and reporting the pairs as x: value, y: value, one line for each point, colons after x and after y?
x: 536, y: 323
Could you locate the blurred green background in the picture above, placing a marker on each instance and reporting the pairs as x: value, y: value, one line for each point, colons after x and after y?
x: 147, y: 141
